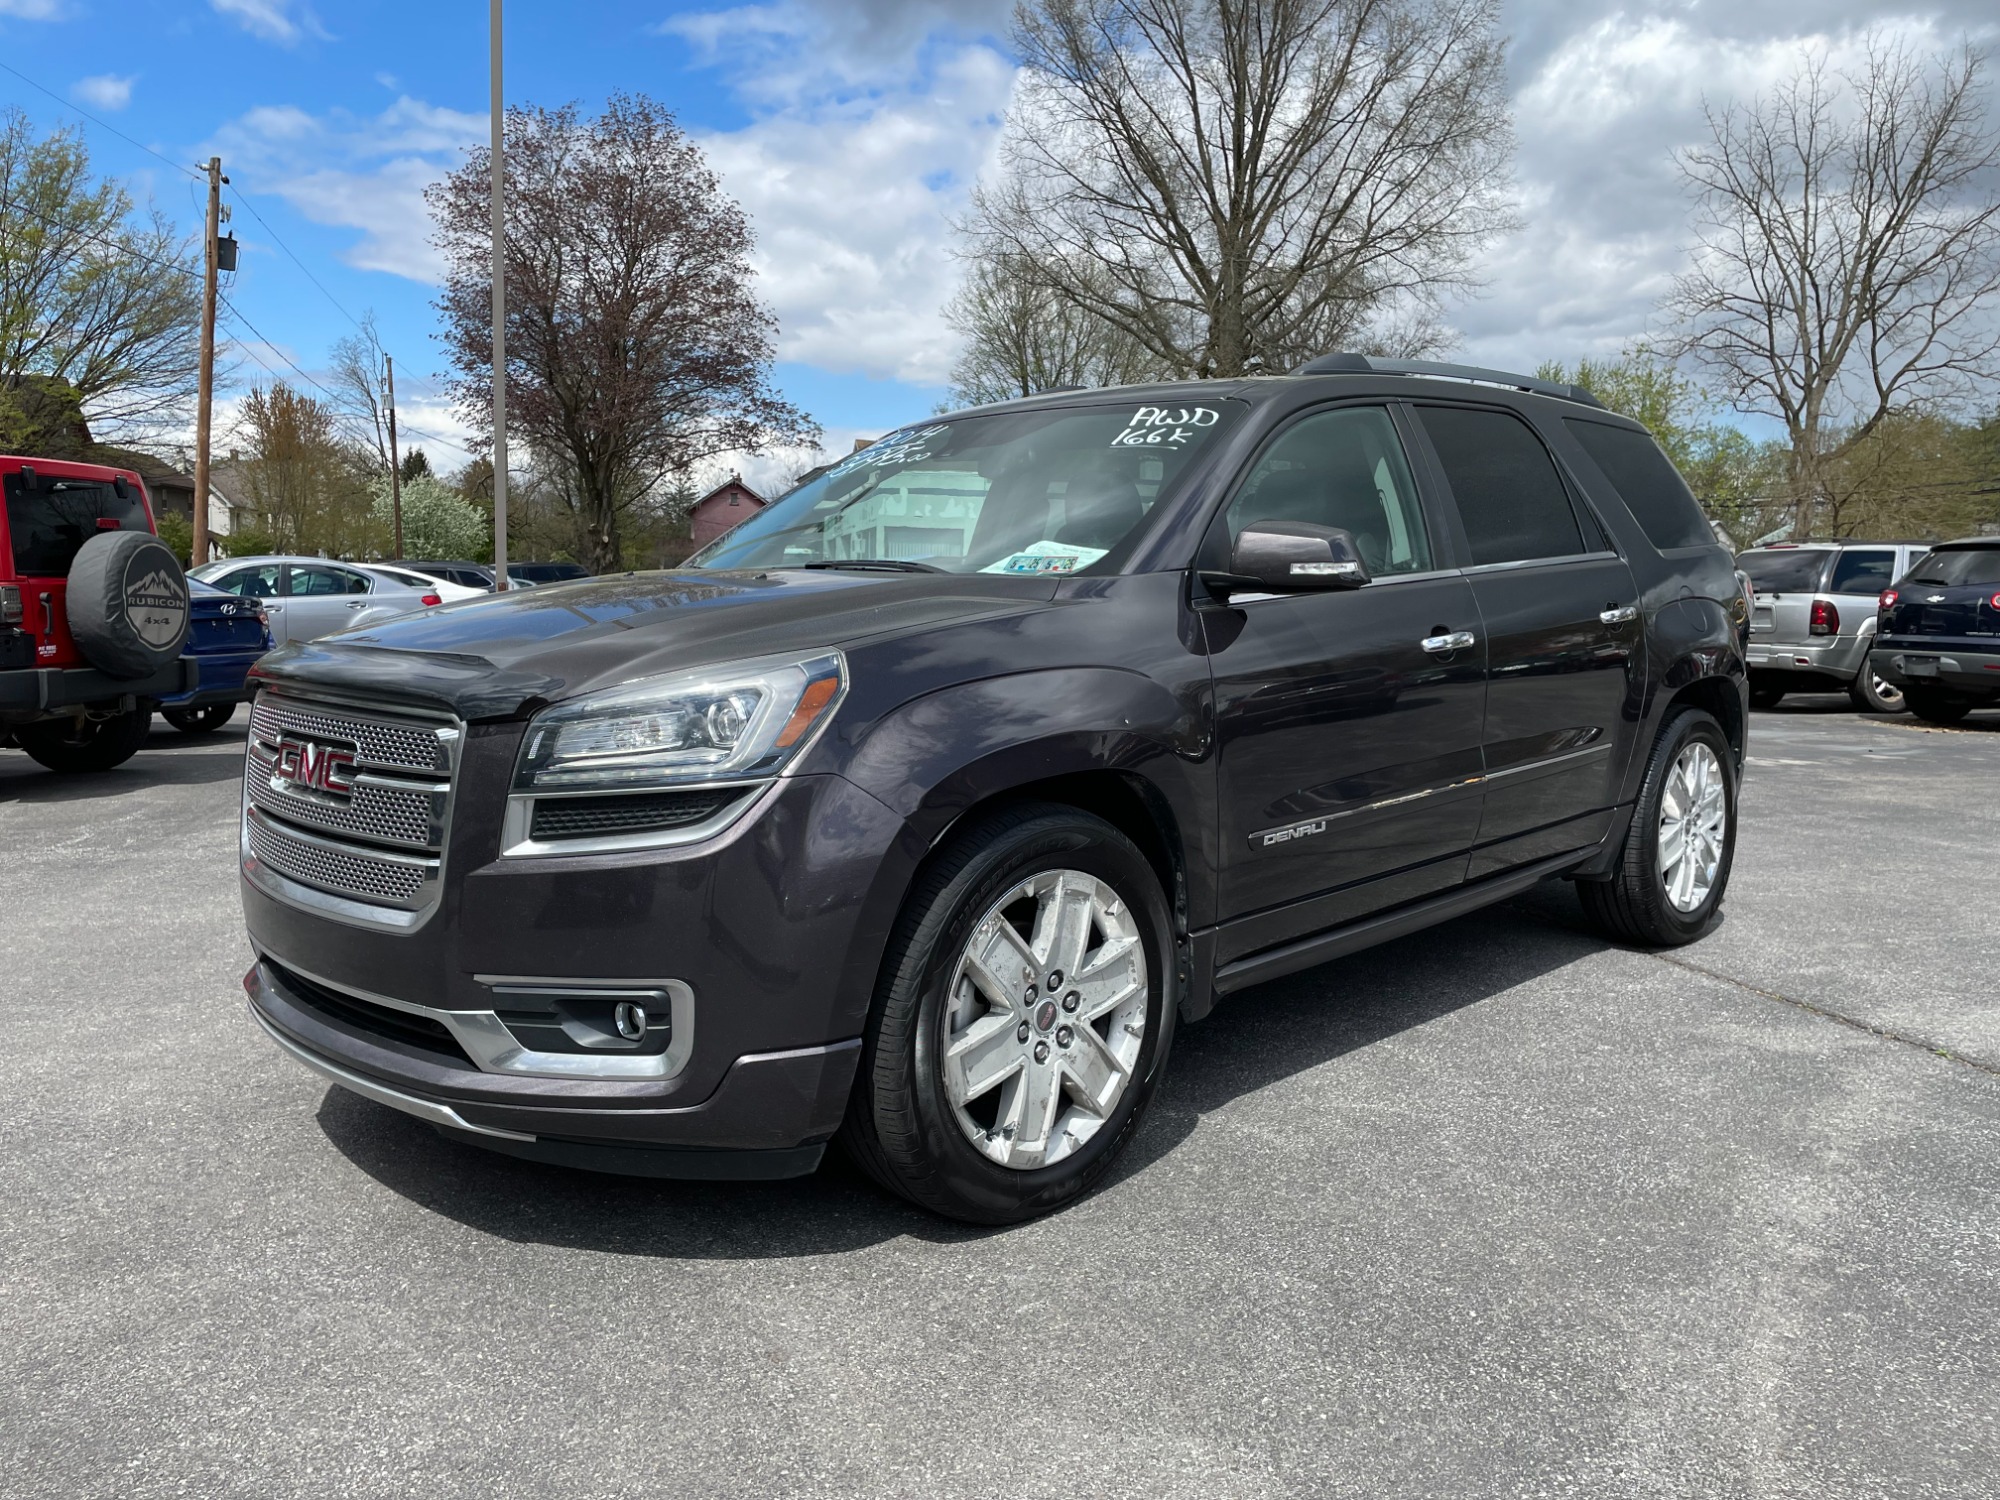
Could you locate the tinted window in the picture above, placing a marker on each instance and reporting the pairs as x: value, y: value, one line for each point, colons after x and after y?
x: 1960, y: 566
x: 327, y: 581
x: 1510, y: 498
x: 258, y: 582
x: 1647, y: 482
x: 1791, y: 571
x: 49, y: 520
x: 1863, y: 573
x: 1341, y: 468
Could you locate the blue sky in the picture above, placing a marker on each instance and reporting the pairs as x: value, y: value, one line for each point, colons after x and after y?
x: 850, y: 131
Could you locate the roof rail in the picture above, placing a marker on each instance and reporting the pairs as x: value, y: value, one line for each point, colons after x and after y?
x: 1368, y: 364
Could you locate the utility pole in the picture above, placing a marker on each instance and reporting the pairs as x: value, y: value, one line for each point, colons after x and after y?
x: 499, y: 316
x: 205, y: 381
x: 395, y: 462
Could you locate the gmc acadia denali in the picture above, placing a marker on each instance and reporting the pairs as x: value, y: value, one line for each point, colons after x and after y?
x: 921, y: 807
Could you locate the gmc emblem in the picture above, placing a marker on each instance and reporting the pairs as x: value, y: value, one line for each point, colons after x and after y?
x: 314, y: 768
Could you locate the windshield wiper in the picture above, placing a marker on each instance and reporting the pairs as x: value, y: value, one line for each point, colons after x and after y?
x: 874, y: 565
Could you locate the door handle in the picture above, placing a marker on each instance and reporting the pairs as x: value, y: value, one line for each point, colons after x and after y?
x: 1442, y: 644
x: 358, y: 604
x: 1619, y: 614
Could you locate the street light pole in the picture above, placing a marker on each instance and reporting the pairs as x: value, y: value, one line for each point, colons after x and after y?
x: 499, y: 317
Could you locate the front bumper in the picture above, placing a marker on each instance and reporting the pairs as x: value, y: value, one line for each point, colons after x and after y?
x: 45, y: 689
x: 771, y: 1117
x: 1837, y: 659
x: 1971, y: 670
x: 769, y: 936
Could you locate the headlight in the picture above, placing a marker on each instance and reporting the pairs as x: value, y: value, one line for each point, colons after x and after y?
x: 744, y: 719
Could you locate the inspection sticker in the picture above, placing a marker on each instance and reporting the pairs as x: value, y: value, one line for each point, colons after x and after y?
x: 1046, y: 557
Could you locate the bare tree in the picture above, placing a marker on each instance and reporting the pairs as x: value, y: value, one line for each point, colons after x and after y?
x: 300, y: 474
x: 359, y: 378
x: 1847, y: 253
x: 635, y: 346
x: 93, y: 293
x: 1235, y: 185
x: 1022, y: 337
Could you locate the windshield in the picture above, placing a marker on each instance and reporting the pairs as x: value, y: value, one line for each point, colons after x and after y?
x: 1959, y: 567
x: 1791, y: 571
x: 1022, y: 492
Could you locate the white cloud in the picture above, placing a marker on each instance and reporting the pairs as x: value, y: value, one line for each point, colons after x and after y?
x: 105, y: 91
x: 283, y: 21
x: 360, y: 172
x: 31, y: 10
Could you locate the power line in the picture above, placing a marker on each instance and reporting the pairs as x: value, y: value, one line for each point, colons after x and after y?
x: 66, y: 104
x: 96, y: 239
x: 237, y: 193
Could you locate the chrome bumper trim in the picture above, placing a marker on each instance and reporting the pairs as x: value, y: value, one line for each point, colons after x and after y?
x: 367, y: 1088
x: 493, y: 1048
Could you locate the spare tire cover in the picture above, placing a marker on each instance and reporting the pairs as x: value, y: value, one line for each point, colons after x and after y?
x: 127, y: 603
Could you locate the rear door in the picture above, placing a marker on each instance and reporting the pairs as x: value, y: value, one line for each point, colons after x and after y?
x: 321, y: 598
x: 1559, y: 610
x: 1855, y: 585
x: 1347, y: 749
x: 1786, y: 580
x: 49, y: 517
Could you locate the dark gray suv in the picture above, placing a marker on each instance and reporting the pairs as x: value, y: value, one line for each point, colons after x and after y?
x: 918, y: 810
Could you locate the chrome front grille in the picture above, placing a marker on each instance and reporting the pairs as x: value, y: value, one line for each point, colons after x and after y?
x: 346, y: 809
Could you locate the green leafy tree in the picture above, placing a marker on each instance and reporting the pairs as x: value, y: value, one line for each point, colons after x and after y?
x: 305, y: 483
x: 177, y: 531
x: 94, y: 292
x: 437, y: 520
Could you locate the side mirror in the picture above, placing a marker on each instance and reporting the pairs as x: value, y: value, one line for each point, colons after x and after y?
x: 1289, y: 557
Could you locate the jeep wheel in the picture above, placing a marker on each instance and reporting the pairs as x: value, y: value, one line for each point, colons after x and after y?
x: 204, y: 720
x: 1875, y: 694
x: 1671, y: 876
x: 85, y: 744
x: 1935, y: 707
x: 1023, y: 1020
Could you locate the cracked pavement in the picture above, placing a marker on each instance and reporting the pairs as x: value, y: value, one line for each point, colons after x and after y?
x: 1496, y: 1210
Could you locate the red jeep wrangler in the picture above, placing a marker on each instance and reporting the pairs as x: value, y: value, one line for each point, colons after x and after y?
x: 93, y: 613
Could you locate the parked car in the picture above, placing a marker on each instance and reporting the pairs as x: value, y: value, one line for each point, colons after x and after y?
x: 226, y: 635
x: 1813, y: 619
x: 1939, y: 637
x: 465, y: 574
x: 307, y: 597
x: 546, y: 572
x: 925, y: 804
x: 428, y: 583
x: 93, y: 614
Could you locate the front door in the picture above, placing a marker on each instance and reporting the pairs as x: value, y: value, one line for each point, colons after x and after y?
x: 321, y: 599
x: 1559, y: 610
x: 259, y: 581
x: 1348, y: 750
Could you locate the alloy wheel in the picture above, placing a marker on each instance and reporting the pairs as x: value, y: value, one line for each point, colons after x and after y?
x: 1694, y: 821
x: 1044, y: 1019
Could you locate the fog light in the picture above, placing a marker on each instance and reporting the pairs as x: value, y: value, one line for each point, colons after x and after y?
x: 630, y: 1020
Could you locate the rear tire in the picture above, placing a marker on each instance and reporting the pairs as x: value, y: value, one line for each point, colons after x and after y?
x: 1654, y: 900
x: 1873, y: 693
x: 204, y: 720
x: 70, y: 746
x: 1935, y: 707
x: 972, y: 1101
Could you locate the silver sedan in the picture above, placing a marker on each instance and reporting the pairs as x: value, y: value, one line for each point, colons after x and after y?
x: 307, y: 597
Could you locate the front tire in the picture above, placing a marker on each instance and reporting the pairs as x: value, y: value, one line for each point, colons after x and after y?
x: 204, y: 720
x: 1023, y: 1019
x: 73, y: 746
x: 1934, y: 707
x: 1671, y: 876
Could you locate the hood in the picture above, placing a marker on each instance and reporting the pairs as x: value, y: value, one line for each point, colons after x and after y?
x: 493, y: 656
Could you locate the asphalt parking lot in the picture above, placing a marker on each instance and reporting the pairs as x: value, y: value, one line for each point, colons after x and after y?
x: 1495, y: 1210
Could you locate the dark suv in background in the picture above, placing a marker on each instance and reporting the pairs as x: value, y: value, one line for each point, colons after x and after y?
x: 920, y: 808
x: 1939, y: 636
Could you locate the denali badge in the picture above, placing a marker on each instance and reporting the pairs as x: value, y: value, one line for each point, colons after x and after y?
x: 304, y: 766
x: 1272, y: 836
